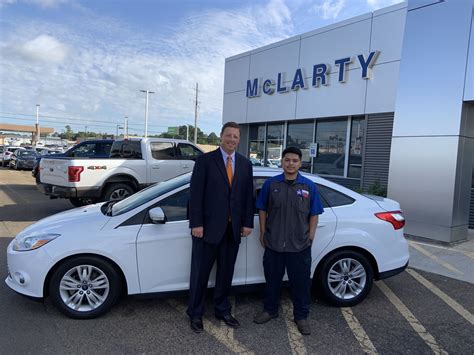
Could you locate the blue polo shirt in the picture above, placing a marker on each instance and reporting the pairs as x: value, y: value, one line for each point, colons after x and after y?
x: 289, y: 207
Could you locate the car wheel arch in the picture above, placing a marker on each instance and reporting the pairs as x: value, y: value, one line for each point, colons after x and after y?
x: 117, y: 268
x: 365, y: 252
x: 120, y: 179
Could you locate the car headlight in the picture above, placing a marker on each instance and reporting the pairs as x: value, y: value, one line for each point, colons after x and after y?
x: 33, y: 241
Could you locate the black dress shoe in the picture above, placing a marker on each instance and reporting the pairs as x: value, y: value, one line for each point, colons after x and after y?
x: 229, y: 320
x: 196, y: 325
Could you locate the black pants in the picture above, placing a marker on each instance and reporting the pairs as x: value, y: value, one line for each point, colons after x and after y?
x: 298, y: 267
x: 203, y: 257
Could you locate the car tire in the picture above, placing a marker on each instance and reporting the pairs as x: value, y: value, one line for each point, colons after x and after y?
x: 88, y: 295
x: 117, y: 192
x: 345, y: 278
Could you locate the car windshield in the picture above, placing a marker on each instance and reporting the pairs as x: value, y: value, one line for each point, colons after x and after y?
x: 149, y: 194
x: 26, y: 153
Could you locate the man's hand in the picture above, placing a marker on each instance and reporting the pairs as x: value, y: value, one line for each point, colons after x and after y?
x: 245, y: 232
x: 262, y: 240
x: 197, y: 232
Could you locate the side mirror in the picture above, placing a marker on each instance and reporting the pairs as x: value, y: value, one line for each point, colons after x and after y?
x: 157, y: 215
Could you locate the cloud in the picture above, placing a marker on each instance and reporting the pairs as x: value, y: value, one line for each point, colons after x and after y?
x: 329, y: 9
x: 77, y: 72
x: 42, y: 48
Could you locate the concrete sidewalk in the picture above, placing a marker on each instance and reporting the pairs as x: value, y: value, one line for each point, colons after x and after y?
x: 455, y: 261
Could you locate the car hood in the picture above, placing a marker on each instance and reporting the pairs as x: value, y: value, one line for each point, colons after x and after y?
x: 87, y: 218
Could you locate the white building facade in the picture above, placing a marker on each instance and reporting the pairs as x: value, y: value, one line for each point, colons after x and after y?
x: 386, y: 99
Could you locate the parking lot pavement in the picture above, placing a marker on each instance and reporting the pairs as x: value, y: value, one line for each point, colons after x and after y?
x: 414, y: 312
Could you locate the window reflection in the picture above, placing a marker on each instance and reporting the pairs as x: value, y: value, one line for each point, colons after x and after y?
x: 300, y: 135
x: 357, y: 140
x: 331, y: 139
x: 274, y: 145
x: 256, y: 144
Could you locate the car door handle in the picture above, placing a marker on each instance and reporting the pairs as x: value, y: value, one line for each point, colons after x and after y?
x: 155, y: 166
x: 185, y: 166
x: 320, y: 225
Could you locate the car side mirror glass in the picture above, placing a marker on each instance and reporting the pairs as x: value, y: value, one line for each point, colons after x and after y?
x: 157, y: 215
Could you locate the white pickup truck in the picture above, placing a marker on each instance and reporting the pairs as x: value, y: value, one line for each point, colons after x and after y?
x: 133, y: 164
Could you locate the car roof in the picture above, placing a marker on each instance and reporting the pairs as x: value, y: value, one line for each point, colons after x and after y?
x: 156, y: 140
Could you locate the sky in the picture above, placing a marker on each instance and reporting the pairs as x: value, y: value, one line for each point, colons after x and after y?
x: 85, y: 62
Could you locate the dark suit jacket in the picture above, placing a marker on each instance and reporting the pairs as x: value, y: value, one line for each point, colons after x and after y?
x: 212, y: 200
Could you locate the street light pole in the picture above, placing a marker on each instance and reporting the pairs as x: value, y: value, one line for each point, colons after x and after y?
x: 196, y: 115
x: 146, y: 110
x: 125, y: 135
x: 38, y: 133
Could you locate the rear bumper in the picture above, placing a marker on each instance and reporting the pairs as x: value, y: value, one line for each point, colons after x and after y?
x: 68, y: 192
x: 390, y: 273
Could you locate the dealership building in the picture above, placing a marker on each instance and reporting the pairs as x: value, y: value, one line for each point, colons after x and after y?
x: 382, y: 101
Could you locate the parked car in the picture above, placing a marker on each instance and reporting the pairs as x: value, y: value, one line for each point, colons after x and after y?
x: 133, y: 164
x: 23, y: 159
x: 85, y: 258
x: 97, y: 148
x: 7, y: 153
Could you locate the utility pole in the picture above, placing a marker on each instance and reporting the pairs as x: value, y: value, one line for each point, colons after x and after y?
x: 37, y: 128
x: 125, y: 135
x: 187, y: 132
x: 196, y: 115
x: 146, y: 110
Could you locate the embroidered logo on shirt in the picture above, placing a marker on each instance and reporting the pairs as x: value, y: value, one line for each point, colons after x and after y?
x: 276, y: 190
x: 302, y: 193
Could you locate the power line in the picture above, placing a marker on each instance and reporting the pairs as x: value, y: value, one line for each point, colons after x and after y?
x: 73, y: 118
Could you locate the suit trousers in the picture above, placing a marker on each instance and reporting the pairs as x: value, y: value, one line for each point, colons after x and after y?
x: 298, y: 267
x: 203, y: 257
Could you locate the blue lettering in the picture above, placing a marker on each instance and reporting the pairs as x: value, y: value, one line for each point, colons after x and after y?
x: 280, y: 87
x: 368, y: 64
x: 298, y: 80
x: 319, y: 74
x: 252, y: 88
x: 268, y: 87
x: 342, y: 67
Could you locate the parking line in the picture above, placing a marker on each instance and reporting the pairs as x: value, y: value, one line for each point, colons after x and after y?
x: 435, y: 258
x: 358, y: 331
x: 225, y: 335
x: 465, y: 252
x: 448, y: 300
x: 294, y: 336
x: 410, y: 317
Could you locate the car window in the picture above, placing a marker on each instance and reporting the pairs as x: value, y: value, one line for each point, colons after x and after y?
x: 162, y: 150
x: 188, y: 151
x: 103, y: 149
x: 332, y: 197
x: 84, y: 150
x: 150, y: 193
x: 126, y: 150
x: 175, y: 206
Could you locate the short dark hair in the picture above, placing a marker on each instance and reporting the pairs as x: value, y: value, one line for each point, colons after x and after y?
x: 292, y: 150
x: 230, y: 124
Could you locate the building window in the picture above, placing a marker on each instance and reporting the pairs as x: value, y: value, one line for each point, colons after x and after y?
x: 257, y: 144
x: 275, y: 141
x: 357, y: 140
x: 331, y: 140
x: 300, y: 135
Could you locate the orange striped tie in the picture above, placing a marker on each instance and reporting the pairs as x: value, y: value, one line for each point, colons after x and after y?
x: 228, y: 168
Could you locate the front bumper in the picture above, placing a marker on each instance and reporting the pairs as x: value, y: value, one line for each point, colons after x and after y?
x: 68, y: 192
x: 27, y: 271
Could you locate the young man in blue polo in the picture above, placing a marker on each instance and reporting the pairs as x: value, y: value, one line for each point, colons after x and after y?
x: 289, y: 206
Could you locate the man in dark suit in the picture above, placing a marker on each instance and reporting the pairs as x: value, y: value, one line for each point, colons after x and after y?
x: 220, y: 213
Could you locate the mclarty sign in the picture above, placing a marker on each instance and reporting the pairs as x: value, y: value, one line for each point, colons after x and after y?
x: 320, y: 76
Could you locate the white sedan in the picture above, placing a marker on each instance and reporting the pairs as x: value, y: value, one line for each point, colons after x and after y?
x: 85, y: 258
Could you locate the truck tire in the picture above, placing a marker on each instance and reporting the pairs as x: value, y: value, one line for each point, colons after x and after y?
x: 117, y: 192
